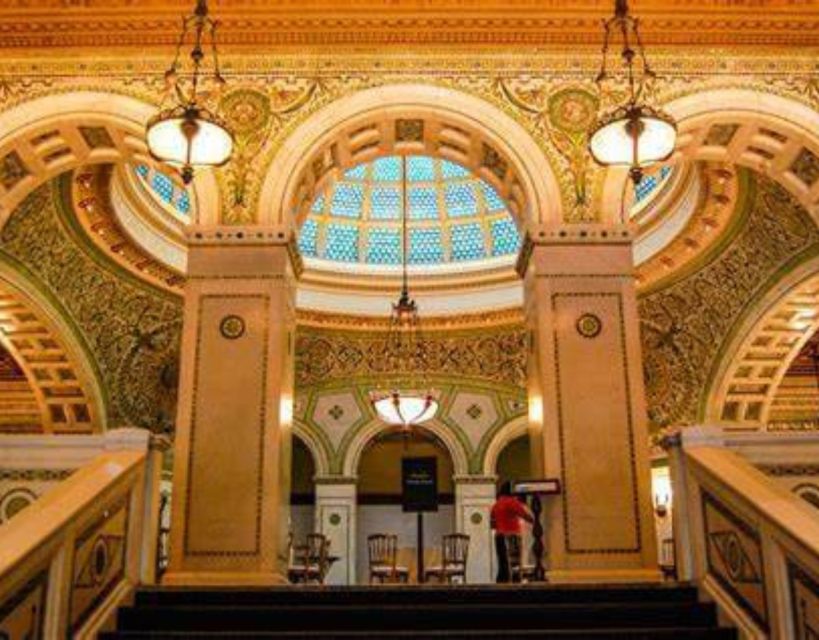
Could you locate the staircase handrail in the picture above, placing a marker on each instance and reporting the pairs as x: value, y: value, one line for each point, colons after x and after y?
x: 72, y: 556
x: 751, y: 545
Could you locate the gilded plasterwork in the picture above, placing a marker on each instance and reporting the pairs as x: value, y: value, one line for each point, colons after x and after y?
x: 317, y: 23
x: 548, y: 93
x: 497, y: 355
x: 685, y: 325
x: 132, y: 331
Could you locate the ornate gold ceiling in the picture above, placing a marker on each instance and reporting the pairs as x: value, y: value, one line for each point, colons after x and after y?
x: 141, y: 23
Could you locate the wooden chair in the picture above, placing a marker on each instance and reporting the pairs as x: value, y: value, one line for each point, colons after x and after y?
x: 519, y: 571
x: 454, y: 553
x: 310, y: 561
x: 383, y: 556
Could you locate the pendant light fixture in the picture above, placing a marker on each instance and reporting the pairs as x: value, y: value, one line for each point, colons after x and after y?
x: 405, y: 350
x: 188, y: 135
x: 635, y: 134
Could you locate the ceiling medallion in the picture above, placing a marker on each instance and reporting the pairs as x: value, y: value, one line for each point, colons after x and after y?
x: 232, y: 327
x: 634, y: 134
x: 405, y: 350
x: 187, y: 134
x: 589, y: 325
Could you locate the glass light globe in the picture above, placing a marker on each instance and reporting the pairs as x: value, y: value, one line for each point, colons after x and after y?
x: 612, y: 142
x: 405, y: 409
x: 189, y: 138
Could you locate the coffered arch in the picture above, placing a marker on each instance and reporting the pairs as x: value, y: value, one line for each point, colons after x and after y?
x: 58, y: 369
x: 411, y: 119
x: 50, y: 135
x: 775, y: 136
x: 762, y: 348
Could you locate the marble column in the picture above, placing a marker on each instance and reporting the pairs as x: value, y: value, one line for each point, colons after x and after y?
x: 588, y: 423
x: 335, y: 518
x: 232, y: 448
x: 474, y: 497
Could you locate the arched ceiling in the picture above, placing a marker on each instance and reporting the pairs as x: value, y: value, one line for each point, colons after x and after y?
x: 455, y: 220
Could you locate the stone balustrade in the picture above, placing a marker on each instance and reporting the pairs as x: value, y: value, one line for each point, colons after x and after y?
x: 70, y: 558
x: 749, y: 543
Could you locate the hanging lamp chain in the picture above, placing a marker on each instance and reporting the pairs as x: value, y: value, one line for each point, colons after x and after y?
x: 201, y: 24
x: 633, y: 49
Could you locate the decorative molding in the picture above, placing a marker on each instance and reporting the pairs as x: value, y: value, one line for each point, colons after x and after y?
x: 22, y: 614
x: 319, y: 23
x: 559, y: 400
x: 98, y: 562
x: 734, y: 557
x: 782, y: 470
x: 497, y: 354
x: 232, y: 327
x: 589, y: 325
x: 35, y: 475
x: 804, y: 596
x: 259, y: 453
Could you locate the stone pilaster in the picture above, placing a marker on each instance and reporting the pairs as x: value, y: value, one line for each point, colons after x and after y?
x: 474, y: 497
x: 336, y: 518
x: 586, y: 401
x: 232, y: 449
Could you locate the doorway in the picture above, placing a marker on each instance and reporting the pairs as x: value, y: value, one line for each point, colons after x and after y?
x: 379, y: 498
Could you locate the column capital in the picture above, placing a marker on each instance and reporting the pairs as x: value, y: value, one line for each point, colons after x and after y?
x: 475, y: 479
x: 335, y: 480
x: 557, y: 241
x: 246, y: 236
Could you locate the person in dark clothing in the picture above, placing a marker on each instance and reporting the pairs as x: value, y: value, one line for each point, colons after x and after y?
x: 505, y: 519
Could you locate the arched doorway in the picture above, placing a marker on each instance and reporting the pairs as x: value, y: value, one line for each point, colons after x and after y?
x: 379, y: 497
x: 514, y: 461
x: 302, y: 490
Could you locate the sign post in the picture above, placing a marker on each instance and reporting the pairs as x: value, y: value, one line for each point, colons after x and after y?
x: 419, y: 485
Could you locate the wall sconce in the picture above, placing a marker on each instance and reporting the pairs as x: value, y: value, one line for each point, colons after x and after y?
x: 661, y: 489
x: 661, y: 504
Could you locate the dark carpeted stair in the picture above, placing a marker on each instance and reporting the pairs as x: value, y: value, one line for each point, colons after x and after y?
x: 471, y: 611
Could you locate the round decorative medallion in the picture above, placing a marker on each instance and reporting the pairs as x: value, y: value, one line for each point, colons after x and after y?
x: 335, y: 519
x: 573, y: 110
x: 476, y: 518
x: 589, y: 325
x: 232, y: 327
x: 246, y: 111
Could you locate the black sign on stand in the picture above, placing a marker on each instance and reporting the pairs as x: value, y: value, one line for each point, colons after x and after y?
x: 419, y: 491
x: 419, y: 484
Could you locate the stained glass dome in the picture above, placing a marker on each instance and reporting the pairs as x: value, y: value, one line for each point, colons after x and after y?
x: 453, y: 216
x: 650, y: 186
x: 164, y: 188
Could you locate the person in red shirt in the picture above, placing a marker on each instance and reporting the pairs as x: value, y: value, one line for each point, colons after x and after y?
x: 505, y: 519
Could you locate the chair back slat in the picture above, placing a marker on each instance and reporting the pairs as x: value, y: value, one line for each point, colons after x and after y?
x: 383, y: 549
x: 455, y: 549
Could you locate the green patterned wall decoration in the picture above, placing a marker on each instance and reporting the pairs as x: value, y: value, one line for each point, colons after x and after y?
x: 131, y: 330
x: 685, y: 325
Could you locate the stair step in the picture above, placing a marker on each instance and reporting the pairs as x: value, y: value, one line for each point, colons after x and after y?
x: 429, y: 617
x: 414, y: 595
x: 697, y: 633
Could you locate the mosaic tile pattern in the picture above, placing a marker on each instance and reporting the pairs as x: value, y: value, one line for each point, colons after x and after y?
x: 164, y: 189
x: 453, y: 215
x: 649, y: 184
